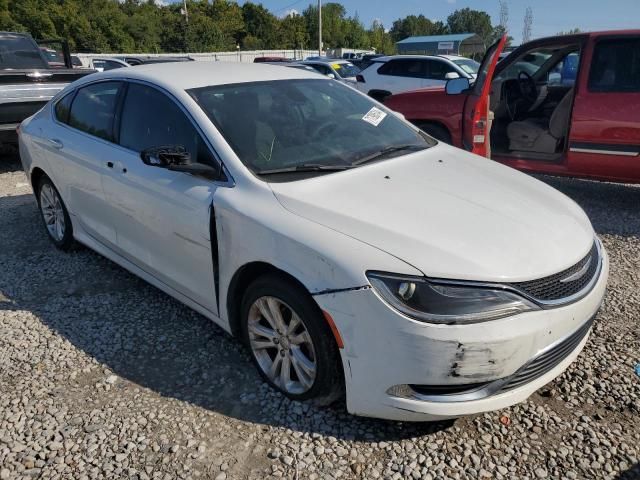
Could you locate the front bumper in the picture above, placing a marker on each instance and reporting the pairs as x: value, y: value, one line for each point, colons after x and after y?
x: 383, y: 350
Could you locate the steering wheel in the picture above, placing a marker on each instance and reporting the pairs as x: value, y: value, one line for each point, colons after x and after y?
x: 324, y: 129
x: 527, y: 86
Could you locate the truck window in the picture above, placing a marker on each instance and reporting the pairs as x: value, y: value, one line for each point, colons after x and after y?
x: 615, y: 66
x: 18, y: 52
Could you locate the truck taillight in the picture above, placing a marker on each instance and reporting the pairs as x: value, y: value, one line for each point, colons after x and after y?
x: 360, y: 79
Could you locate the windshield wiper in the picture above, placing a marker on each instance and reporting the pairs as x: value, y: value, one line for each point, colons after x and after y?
x: 386, y: 151
x: 305, y: 167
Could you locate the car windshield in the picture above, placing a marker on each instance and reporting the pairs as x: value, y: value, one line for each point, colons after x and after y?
x: 19, y: 52
x: 467, y: 65
x: 305, y: 125
x: 346, y: 70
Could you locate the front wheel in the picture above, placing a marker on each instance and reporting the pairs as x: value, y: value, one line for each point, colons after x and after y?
x: 54, y: 214
x: 290, y: 342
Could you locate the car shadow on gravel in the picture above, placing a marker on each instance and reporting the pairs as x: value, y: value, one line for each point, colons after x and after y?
x: 613, y: 208
x: 632, y: 474
x: 150, y: 340
x: 9, y: 160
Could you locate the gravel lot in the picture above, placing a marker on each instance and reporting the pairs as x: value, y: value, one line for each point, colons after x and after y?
x: 103, y: 376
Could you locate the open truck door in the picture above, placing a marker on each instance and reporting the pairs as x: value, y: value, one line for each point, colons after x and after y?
x: 475, y: 119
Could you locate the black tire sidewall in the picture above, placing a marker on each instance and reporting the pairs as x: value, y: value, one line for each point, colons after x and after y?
x: 328, y: 382
x: 67, y: 240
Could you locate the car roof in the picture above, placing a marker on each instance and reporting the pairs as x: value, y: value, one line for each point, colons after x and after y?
x: 188, y: 75
x: 329, y: 61
x: 408, y: 57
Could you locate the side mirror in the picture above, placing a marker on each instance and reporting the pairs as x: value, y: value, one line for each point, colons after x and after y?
x: 176, y: 159
x: 451, y: 75
x: 331, y: 75
x: 165, y: 155
x: 456, y: 86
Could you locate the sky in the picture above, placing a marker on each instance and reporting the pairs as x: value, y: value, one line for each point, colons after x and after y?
x: 549, y: 16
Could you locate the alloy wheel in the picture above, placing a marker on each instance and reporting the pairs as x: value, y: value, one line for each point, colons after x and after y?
x: 282, y: 345
x: 52, y: 212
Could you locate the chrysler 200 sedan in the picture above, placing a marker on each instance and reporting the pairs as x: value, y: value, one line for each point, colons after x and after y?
x: 353, y: 254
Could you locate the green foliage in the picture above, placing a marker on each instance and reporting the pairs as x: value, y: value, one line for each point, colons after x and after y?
x: 104, y: 26
x: 467, y: 20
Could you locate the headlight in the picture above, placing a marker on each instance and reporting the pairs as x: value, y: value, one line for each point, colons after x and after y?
x: 446, y: 303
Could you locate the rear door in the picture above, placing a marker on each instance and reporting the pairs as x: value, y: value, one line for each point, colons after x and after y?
x: 604, y: 140
x: 80, y: 143
x: 475, y: 119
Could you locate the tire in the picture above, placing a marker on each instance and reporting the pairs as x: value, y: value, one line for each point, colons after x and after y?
x: 273, y: 292
x: 54, y: 214
x: 436, y: 131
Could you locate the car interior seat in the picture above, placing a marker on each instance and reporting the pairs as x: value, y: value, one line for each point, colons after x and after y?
x: 536, y: 135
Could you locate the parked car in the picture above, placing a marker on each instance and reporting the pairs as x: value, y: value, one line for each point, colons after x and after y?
x: 468, y: 65
x: 366, y: 60
x: 339, y: 69
x: 76, y: 62
x: 133, y: 61
x: 564, y: 105
x: 27, y: 80
x: 345, y: 247
x: 400, y: 73
x: 105, y: 64
x: 351, y: 56
x: 271, y: 60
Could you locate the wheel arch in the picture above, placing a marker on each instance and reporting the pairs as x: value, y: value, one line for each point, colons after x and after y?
x: 435, y: 123
x: 37, y: 174
x: 241, y: 279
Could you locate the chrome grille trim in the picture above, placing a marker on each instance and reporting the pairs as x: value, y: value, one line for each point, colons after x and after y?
x: 562, y: 287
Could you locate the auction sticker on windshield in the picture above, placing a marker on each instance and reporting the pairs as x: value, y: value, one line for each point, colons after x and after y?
x: 374, y: 116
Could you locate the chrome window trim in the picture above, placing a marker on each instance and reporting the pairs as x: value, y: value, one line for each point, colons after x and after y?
x: 229, y: 182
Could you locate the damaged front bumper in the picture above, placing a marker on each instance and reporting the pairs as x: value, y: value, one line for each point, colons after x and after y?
x: 401, y: 369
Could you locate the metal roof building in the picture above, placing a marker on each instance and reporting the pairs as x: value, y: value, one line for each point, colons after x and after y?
x: 467, y: 44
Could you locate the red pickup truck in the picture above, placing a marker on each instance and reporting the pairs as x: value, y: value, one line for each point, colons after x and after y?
x: 565, y: 105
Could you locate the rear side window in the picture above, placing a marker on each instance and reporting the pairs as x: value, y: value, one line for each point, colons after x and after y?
x: 615, y: 66
x: 93, y: 109
x: 62, y: 108
x: 151, y: 119
x: 404, y: 68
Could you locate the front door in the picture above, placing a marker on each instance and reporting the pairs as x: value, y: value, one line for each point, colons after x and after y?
x: 164, y: 217
x: 604, y: 139
x: 475, y: 119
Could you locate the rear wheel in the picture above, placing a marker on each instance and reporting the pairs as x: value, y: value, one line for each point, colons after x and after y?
x: 436, y: 131
x: 290, y: 342
x: 379, y: 95
x: 54, y: 214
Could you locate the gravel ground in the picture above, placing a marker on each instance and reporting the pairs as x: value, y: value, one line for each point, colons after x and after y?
x: 103, y: 376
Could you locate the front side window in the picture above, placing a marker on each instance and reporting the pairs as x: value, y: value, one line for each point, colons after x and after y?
x: 291, y: 124
x: 151, y: 119
x: 615, y: 66
x: 467, y: 65
x: 93, y: 109
x: 438, y: 70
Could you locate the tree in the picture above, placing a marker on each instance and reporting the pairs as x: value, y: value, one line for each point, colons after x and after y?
x: 293, y: 32
x: 573, y: 31
x: 467, y: 20
x: 380, y: 39
x: 413, y: 25
x: 260, y: 27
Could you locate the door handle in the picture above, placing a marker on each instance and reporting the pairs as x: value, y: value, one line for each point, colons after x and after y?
x: 110, y: 164
x: 55, y: 143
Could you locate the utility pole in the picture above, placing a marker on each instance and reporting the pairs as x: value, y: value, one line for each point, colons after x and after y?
x: 320, y: 27
x: 186, y: 12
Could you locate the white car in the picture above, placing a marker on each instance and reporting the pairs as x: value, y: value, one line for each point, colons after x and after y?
x: 106, y: 64
x: 422, y: 281
x: 341, y: 70
x: 402, y: 73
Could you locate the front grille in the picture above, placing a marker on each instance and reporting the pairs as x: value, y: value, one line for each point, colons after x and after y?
x: 547, y: 360
x: 552, y: 288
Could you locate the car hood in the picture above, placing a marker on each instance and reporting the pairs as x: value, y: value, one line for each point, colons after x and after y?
x: 449, y: 214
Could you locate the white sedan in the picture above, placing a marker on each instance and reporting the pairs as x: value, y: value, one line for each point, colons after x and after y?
x: 350, y: 252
